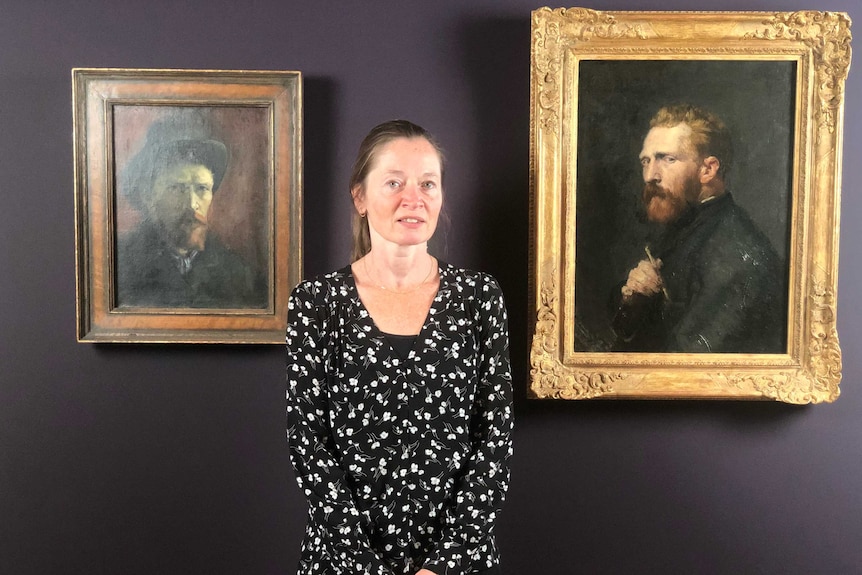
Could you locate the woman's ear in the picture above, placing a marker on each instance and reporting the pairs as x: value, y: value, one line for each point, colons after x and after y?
x: 358, y: 199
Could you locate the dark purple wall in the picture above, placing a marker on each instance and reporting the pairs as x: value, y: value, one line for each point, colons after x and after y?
x: 173, y: 459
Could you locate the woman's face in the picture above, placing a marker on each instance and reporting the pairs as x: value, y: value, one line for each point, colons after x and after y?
x: 402, y: 194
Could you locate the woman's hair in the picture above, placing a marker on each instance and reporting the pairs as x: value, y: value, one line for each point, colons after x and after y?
x: 378, y: 137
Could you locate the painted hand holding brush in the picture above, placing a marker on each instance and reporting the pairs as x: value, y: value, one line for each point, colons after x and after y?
x: 645, y: 279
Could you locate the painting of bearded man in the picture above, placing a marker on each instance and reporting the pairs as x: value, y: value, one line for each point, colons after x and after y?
x: 688, y: 254
x: 709, y: 282
x: 173, y: 256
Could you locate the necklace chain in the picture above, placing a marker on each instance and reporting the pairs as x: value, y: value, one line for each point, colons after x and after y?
x: 379, y: 284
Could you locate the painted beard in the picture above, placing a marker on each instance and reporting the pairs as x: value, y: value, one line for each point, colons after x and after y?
x: 664, y: 207
x: 197, y: 238
x: 188, y: 231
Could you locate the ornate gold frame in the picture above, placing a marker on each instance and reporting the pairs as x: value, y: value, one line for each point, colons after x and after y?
x: 274, y: 99
x: 819, y: 43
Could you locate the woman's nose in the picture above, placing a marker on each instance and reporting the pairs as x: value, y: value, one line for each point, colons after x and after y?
x: 411, y: 194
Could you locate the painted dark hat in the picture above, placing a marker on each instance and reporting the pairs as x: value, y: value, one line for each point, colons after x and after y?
x: 171, y: 142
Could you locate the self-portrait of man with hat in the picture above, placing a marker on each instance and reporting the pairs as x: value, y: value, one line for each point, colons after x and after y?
x: 172, y: 259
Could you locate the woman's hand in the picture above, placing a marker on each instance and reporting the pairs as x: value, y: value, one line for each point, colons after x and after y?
x: 425, y: 572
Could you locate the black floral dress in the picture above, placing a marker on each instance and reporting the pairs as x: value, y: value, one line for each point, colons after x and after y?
x: 403, y: 460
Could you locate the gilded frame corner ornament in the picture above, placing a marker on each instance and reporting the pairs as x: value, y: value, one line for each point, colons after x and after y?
x: 162, y: 257
x: 815, y: 47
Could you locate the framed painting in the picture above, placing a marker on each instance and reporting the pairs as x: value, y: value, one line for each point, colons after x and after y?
x: 188, y: 204
x: 685, y: 185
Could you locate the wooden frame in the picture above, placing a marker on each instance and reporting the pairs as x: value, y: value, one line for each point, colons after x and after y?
x: 777, y: 80
x: 188, y: 204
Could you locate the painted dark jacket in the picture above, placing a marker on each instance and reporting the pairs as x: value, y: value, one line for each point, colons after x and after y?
x: 726, y: 289
x: 148, y: 276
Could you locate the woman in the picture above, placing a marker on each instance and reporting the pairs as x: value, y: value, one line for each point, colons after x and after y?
x: 399, y: 387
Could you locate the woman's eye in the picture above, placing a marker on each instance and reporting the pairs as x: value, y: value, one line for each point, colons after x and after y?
x: 392, y: 184
x: 429, y: 185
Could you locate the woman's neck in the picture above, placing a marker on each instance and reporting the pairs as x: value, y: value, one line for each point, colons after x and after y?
x: 399, y: 267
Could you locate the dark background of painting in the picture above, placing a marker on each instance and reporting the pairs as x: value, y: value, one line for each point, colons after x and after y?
x: 616, y: 101
x: 171, y: 459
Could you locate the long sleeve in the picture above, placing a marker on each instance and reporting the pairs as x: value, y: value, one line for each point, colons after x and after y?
x: 336, y: 526
x: 468, y: 523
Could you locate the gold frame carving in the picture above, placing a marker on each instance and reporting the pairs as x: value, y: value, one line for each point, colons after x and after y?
x: 819, y: 44
x: 114, y: 113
